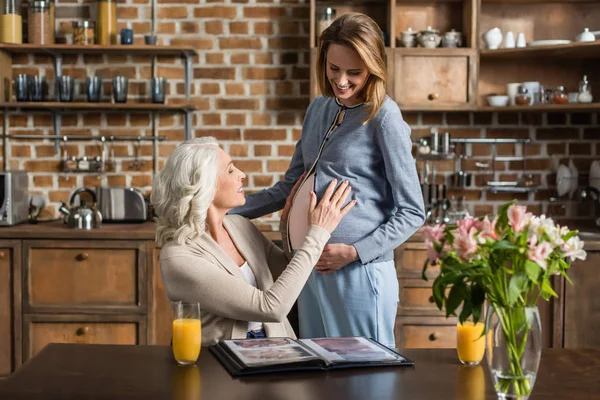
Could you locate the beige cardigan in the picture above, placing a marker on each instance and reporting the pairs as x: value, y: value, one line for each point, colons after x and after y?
x: 201, y: 271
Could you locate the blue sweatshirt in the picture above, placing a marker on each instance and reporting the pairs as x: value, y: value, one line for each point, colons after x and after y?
x: 375, y: 158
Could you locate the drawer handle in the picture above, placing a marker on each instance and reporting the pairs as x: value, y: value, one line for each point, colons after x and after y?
x: 1, y: 255
x: 82, y: 256
x: 433, y: 96
x: 82, y: 331
x: 434, y: 336
x: 431, y: 299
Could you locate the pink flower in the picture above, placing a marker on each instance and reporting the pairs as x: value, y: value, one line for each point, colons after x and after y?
x: 488, y: 230
x: 432, y: 254
x: 518, y: 218
x: 465, y: 225
x: 540, y: 254
x: 465, y: 243
x: 434, y: 233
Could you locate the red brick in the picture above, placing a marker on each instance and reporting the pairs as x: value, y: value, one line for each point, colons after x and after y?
x: 171, y: 12
x: 261, y: 119
x: 277, y: 165
x: 214, y: 73
x: 239, y: 43
x: 210, y: 88
x: 141, y: 180
x: 263, y: 73
x: 286, y: 150
x: 213, y: 27
x: 243, y: 58
x: 215, y: 12
x: 43, y: 166
x: 21, y: 151
x: 262, y: 180
x: 220, y: 134
x: 211, y: 119
x: 249, y: 165
x: 263, y: 58
x: 43, y: 181
x: 237, y: 104
x: 264, y: 12
x: 265, y: 134
x: 238, y: 150
x: 262, y: 150
x: 215, y: 58
x: 236, y: 119
x: 264, y: 28
x: 197, y: 43
x: 235, y: 89
x: 190, y: 27
x: 238, y: 28
x: 259, y: 88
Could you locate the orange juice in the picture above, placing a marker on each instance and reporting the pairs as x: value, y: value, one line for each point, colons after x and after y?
x: 470, y: 344
x: 187, y: 339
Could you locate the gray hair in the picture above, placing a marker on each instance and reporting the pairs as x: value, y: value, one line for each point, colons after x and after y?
x: 185, y: 188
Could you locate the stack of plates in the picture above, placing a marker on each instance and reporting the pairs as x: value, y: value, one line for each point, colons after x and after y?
x: 574, y: 178
x: 595, y: 175
x: 563, y: 180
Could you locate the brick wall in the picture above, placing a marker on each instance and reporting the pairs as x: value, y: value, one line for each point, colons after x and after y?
x: 251, y: 87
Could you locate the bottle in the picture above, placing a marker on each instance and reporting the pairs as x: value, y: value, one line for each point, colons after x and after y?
x: 522, y: 98
x: 325, y: 19
x: 11, y: 22
x: 106, y: 24
x: 585, y: 91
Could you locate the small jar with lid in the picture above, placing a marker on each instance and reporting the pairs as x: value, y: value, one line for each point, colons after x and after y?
x: 560, y: 95
x: 585, y: 91
x: 324, y: 20
x: 83, y: 32
x: 39, y: 23
x: 522, y: 98
x: 11, y: 23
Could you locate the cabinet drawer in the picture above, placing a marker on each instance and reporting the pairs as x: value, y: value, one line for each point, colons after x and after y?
x: 82, y: 329
x: 428, y: 336
x: 417, y: 297
x: 79, y: 275
x: 6, y: 315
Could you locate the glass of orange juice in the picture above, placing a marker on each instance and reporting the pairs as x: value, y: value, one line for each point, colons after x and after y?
x: 187, y: 332
x: 470, y: 343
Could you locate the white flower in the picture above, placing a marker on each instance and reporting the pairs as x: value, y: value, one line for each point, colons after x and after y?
x: 573, y: 249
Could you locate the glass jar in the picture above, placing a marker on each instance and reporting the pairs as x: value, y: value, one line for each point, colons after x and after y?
x: 522, y: 98
x: 39, y: 23
x: 560, y: 95
x: 83, y: 33
x: 585, y: 91
x: 324, y: 20
x: 106, y: 24
x: 52, y: 6
x: 11, y: 25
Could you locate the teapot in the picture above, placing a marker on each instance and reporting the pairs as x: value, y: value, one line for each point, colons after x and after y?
x: 82, y: 216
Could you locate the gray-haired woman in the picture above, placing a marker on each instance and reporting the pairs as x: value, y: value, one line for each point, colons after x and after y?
x: 244, y: 283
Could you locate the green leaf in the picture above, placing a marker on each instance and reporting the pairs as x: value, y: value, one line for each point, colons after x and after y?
x: 438, y: 292
x: 547, y: 289
x: 563, y: 273
x: 503, y: 245
x: 466, y: 311
x: 518, y: 284
x: 424, y: 271
x: 457, y: 295
x: 533, y: 270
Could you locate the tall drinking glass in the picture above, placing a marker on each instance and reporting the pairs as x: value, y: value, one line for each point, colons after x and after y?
x: 187, y: 332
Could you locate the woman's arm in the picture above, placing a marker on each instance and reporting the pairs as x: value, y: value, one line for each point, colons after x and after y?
x: 395, y: 145
x: 194, y: 279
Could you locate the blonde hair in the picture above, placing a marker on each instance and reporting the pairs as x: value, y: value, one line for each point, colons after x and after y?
x: 184, y: 189
x: 361, y: 33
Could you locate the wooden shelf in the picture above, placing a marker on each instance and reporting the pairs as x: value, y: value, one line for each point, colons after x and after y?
x: 138, y: 50
x: 575, y: 50
x: 85, y: 106
x: 547, y: 107
x: 438, y: 51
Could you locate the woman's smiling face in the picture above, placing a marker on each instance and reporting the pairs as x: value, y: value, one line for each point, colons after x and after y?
x: 347, y: 74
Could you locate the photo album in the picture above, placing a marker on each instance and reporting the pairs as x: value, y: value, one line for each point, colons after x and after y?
x: 255, y: 356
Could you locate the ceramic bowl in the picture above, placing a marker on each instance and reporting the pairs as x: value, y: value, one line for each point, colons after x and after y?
x: 498, y: 100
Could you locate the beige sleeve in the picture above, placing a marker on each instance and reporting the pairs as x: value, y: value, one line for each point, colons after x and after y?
x: 194, y: 279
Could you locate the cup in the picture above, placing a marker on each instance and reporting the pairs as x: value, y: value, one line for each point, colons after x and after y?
x: 150, y: 39
x: 158, y: 87
x: 22, y: 87
x: 93, y: 88
x: 126, y: 36
x: 511, y: 90
x: 37, y: 88
x: 187, y: 332
x: 470, y: 343
x: 119, y: 89
x: 65, y: 86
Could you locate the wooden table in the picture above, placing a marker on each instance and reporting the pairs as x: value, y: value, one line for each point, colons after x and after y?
x: 72, y: 371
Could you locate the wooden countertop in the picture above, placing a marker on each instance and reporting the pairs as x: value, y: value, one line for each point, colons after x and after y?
x: 141, y: 231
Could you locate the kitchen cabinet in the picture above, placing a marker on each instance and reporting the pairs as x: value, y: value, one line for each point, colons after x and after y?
x: 581, y: 320
x: 436, y: 79
x: 10, y: 306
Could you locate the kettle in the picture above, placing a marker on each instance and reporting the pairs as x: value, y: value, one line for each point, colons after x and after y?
x: 82, y: 216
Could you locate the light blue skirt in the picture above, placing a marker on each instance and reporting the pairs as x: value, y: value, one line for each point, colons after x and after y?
x: 357, y: 300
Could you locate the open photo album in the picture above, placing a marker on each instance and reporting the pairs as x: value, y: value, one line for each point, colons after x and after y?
x: 254, y: 356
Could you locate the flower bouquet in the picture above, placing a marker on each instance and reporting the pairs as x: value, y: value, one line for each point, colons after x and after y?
x: 507, y: 260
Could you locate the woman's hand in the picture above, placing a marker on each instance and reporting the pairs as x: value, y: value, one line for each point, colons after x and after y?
x: 330, y: 212
x: 335, y: 256
x: 288, y: 202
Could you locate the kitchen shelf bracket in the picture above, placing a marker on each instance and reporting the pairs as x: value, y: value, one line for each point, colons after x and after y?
x: 56, y: 125
x: 187, y: 125
x: 187, y: 59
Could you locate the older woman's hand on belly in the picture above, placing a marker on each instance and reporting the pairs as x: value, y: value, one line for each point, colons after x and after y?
x: 336, y: 256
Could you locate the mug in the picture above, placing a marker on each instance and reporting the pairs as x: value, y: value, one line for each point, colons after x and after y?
x: 126, y: 36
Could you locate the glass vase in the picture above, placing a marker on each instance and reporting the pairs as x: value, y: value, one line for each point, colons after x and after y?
x: 514, y: 349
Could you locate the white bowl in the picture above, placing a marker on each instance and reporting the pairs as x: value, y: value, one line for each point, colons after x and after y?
x: 498, y: 100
